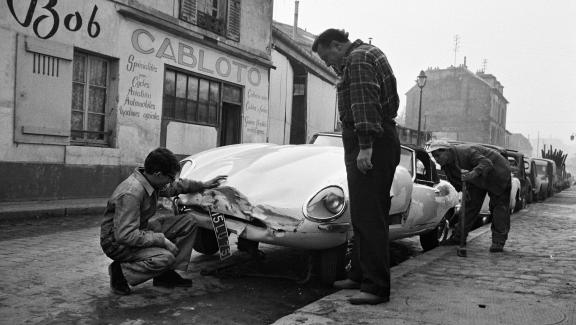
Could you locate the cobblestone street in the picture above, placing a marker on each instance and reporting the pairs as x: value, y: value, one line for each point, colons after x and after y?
x: 532, y: 282
x: 59, y: 277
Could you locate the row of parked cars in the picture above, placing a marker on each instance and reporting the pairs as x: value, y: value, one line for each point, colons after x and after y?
x: 533, y: 180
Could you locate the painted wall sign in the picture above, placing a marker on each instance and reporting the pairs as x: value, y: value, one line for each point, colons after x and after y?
x: 256, y: 109
x: 137, y: 101
x: 72, y: 21
x: 195, y: 58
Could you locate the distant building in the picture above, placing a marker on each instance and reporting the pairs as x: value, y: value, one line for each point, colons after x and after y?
x: 521, y: 143
x: 460, y: 105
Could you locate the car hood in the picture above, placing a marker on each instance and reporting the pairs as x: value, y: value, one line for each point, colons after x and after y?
x: 265, y: 181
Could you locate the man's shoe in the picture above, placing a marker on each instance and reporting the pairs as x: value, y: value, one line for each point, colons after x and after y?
x: 171, y: 279
x: 497, y: 248
x: 365, y: 298
x: 346, y: 284
x: 118, y: 283
x: 451, y: 241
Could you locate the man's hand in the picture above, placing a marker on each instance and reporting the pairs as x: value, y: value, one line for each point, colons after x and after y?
x: 364, y: 160
x: 215, y: 182
x: 466, y: 177
x: 170, y: 246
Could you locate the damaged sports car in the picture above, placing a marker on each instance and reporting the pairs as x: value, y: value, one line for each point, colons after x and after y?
x: 297, y: 196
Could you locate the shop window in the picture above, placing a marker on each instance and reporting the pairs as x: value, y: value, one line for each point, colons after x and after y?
x: 218, y: 16
x: 190, y: 99
x: 90, y: 99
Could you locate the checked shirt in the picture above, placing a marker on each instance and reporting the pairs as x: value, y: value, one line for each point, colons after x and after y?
x: 367, y: 95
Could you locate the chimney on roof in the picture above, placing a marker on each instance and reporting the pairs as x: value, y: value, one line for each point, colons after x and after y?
x: 295, y: 27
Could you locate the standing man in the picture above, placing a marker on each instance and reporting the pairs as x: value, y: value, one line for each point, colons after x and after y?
x: 143, y: 247
x: 487, y: 172
x: 367, y: 103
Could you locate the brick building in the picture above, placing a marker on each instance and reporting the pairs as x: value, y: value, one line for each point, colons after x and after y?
x: 460, y: 105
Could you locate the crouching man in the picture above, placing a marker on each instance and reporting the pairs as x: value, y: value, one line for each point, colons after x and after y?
x: 143, y: 248
x: 488, y: 172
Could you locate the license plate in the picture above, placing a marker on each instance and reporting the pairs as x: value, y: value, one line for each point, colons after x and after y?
x: 221, y: 232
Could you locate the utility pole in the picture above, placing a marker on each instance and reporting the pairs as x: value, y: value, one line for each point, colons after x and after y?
x: 456, y: 47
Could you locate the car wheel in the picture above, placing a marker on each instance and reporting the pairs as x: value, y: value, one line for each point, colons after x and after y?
x: 433, y: 238
x: 332, y: 264
x: 206, y: 242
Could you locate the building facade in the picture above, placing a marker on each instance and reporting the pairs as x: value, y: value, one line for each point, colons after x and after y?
x: 522, y: 144
x: 302, y: 88
x: 90, y: 87
x: 459, y: 105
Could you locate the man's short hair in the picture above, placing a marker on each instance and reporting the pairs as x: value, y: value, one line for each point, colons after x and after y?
x: 161, y: 160
x: 328, y: 36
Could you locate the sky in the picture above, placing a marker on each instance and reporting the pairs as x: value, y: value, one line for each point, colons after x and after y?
x: 528, y: 45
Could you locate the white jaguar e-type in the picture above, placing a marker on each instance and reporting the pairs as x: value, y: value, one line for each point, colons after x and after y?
x: 297, y: 196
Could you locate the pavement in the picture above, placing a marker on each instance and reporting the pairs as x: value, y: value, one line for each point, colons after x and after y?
x: 532, y: 282
x: 54, y: 277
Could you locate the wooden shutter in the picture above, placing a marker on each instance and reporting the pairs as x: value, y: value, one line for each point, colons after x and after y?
x: 233, y: 20
x: 43, y: 91
x: 188, y: 11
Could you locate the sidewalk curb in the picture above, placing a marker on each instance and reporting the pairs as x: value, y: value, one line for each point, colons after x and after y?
x: 48, y: 209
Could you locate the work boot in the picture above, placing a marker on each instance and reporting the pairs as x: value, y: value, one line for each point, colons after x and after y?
x: 497, y: 247
x: 171, y: 279
x: 118, y: 282
x: 346, y: 284
x: 366, y: 298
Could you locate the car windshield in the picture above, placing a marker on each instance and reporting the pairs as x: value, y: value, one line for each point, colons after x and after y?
x: 406, y: 160
x: 327, y: 140
x: 541, y: 170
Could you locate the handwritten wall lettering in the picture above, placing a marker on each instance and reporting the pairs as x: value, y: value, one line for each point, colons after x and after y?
x: 139, y: 94
x: 72, y: 21
x: 256, y: 108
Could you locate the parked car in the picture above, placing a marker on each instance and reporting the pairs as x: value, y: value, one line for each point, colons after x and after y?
x: 516, y: 160
x: 297, y: 196
x: 552, y: 177
x: 541, y: 181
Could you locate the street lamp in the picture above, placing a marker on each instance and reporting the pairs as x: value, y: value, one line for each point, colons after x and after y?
x: 421, y: 82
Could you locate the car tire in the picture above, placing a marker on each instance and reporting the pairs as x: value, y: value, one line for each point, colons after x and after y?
x: 206, y: 242
x: 332, y: 264
x: 433, y: 238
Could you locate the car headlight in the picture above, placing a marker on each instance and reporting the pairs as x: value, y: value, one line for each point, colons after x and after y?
x: 327, y: 205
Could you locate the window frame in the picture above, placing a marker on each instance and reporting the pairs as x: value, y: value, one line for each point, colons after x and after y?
x: 199, y: 77
x: 106, y: 132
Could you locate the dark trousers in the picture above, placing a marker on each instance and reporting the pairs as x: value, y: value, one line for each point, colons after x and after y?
x: 369, y: 207
x: 499, y: 208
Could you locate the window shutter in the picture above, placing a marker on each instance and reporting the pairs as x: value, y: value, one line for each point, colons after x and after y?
x: 233, y: 20
x: 43, y: 91
x: 188, y: 11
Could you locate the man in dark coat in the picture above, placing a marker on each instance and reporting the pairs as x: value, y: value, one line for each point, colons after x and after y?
x: 485, y: 171
x: 367, y: 104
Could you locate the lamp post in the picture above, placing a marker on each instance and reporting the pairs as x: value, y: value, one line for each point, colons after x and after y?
x: 421, y: 82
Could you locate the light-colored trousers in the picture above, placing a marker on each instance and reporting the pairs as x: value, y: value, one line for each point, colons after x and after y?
x: 144, y: 264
